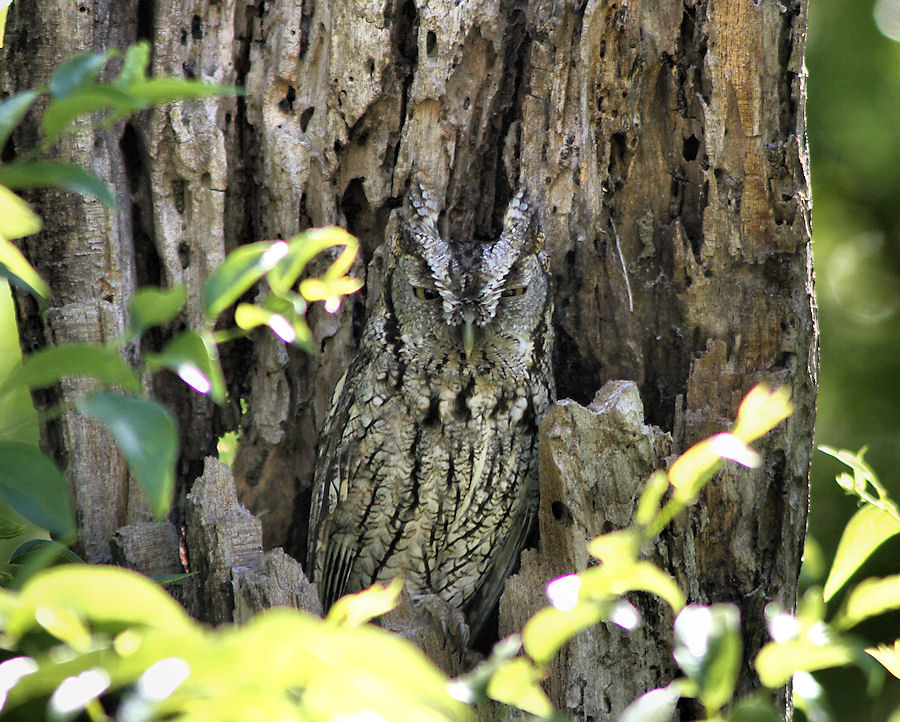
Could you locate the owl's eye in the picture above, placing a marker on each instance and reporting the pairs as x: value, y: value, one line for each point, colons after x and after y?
x: 425, y: 294
x: 515, y: 291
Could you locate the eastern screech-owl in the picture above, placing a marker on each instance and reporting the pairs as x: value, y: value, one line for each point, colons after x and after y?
x: 427, y: 468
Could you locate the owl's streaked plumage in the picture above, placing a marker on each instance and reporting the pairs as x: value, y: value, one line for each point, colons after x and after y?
x: 428, y: 463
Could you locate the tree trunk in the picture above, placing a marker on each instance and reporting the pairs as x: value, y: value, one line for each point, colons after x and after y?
x: 665, y: 142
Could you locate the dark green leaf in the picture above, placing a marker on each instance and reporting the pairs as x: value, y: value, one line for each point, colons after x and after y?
x: 40, y: 174
x: 32, y: 485
x: 134, y: 69
x: 171, y: 578
x: 12, y: 110
x: 9, y: 527
x: 158, y: 91
x: 242, y: 268
x: 155, y: 306
x: 754, y: 709
x: 708, y: 649
x: 60, y: 114
x: 29, y: 549
x: 195, y: 358
x: 148, y: 438
x: 75, y: 72
x: 49, y: 365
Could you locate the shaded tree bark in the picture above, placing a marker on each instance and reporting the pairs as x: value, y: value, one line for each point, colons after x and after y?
x: 666, y: 143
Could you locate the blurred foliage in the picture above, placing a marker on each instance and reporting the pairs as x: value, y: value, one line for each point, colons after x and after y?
x: 854, y: 134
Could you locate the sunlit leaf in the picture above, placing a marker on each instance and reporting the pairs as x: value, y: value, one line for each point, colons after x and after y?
x: 16, y: 220
x: 303, y: 247
x: 693, y: 469
x: 359, y: 608
x: 617, y: 547
x: 291, y: 328
x: 167, y: 89
x: 134, y: 67
x: 867, y: 529
x: 242, y: 268
x: 331, y: 291
x: 868, y: 599
x: 777, y: 661
x: 41, y: 174
x: 708, y: 650
x: 657, y: 705
x: 47, y: 366
x: 76, y: 692
x: 648, y: 505
x: 147, y: 436
x: 549, y: 629
x: 761, y: 411
x: 60, y: 114
x: 155, y: 306
x: 195, y: 358
x: 32, y: 485
x: 516, y: 682
x: 12, y: 111
x: 100, y: 595
x: 75, y: 72
x: 888, y: 656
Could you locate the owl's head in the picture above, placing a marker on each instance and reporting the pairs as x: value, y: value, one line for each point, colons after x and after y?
x: 479, y: 299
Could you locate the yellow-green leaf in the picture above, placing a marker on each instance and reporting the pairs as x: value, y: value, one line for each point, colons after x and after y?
x: 888, y: 656
x: 868, y: 599
x: 551, y: 628
x: 867, y: 529
x: 359, y: 608
x: 777, y: 661
x: 516, y: 682
x: 761, y: 411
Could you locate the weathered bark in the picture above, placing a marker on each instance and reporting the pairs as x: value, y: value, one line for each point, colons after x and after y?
x: 665, y: 142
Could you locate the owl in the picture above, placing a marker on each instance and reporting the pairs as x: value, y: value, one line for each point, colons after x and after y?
x: 427, y: 467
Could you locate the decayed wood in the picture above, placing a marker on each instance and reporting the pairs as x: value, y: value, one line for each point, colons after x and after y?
x: 276, y: 580
x: 594, y: 462
x: 665, y: 143
x: 148, y: 547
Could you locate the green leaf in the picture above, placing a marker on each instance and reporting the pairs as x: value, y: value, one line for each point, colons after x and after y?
x: 517, y: 682
x: 242, y: 268
x: 39, y: 174
x: 657, y: 705
x: 60, y: 114
x: 101, y: 595
x: 359, y: 608
x: 16, y: 218
x: 693, y: 469
x: 708, y: 650
x: 303, y: 247
x: 550, y: 628
x: 146, y: 435
x: 612, y: 580
x: 290, y: 328
x: 32, y: 485
x: 47, y: 366
x: 137, y: 60
x: 75, y: 72
x: 29, y: 549
x: 152, y: 306
x: 868, y: 599
x: 867, y: 529
x: 9, y: 527
x: 754, y: 709
x: 157, y: 91
x: 648, y: 505
x: 777, y: 661
x: 195, y: 358
x: 12, y: 110
x: 761, y: 411
x: 888, y: 656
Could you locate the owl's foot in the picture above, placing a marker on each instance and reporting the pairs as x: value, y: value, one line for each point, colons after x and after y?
x: 433, y: 625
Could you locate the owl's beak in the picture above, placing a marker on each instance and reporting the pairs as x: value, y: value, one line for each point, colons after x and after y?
x: 468, y: 337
